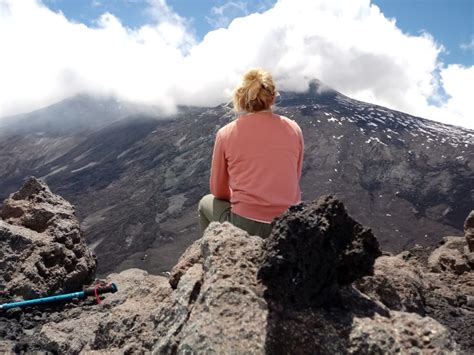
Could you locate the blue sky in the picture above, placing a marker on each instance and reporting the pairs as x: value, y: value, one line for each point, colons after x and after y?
x: 450, y: 22
x: 414, y: 56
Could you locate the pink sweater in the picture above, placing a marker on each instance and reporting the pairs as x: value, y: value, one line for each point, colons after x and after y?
x: 256, y: 165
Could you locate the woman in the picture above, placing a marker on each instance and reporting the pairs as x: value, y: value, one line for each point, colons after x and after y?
x: 256, y: 163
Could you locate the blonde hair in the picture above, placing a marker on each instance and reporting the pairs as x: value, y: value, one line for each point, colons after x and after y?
x: 255, y: 93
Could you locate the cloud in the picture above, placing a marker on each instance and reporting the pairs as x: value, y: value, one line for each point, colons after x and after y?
x: 348, y: 44
x: 222, y: 16
x: 458, y: 83
x: 468, y: 46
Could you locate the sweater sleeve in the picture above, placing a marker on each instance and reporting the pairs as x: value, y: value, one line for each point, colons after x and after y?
x: 219, y: 182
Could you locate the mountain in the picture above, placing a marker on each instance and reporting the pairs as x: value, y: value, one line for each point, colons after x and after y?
x: 136, y: 182
x: 80, y: 112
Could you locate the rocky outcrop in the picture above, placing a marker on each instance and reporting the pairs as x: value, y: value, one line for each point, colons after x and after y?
x: 221, y: 297
x: 224, y: 311
x: 395, y: 283
x: 122, y: 323
x: 43, y: 249
x: 399, y: 334
x: 436, y: 282
x: 315, y: 248
x: 452, y: 256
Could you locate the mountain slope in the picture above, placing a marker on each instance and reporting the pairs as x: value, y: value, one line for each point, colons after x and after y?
x: 136, y: 183
x: 80, y: 112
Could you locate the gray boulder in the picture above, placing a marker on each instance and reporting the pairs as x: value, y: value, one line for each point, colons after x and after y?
x: 218, y: 305
x: 43, y: 249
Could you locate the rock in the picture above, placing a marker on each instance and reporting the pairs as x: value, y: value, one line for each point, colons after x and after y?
x: 191, y: 256
x: 7, y: 347
x: 43, y: 249
x: 218, y: 299
x: 313, y: 249
x: 396, y: 284
x: 123, y: 322
x: 449, y: 256
x: 469, y: 231
x: 469, y: 256
x: 172, y: 316
x: 400, y: 333
x: 227, y: 313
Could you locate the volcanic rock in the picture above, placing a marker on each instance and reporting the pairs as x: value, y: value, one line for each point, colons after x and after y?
x: 450, y: 256
x: 221, y: 298
x: 226, y: 312
x: 396, y: 283
x: 400, y: 332
x: 123, y: 321
x: 435, y: 282
x: 469, y: 231
x: 43, y: 249
x: 313, y: 249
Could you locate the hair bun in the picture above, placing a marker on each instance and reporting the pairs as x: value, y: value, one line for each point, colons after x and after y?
x: 256, y: 92
x: 253, y: 75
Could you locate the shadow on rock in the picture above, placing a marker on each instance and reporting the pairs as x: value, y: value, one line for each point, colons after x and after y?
x: 316, y: 250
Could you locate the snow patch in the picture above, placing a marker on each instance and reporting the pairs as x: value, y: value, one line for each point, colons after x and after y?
x: 374, y: 139
x: 87, y: 166
x: 55, y: 171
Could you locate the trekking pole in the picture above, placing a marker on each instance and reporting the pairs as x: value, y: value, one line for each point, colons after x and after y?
x: 94, y: 291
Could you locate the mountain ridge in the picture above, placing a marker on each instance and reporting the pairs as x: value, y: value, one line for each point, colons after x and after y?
x: 136, y: 182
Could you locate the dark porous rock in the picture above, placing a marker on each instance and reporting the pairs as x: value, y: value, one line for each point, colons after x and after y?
x: 315, y: 248
x: 43, y: 249
x: 469, y: 231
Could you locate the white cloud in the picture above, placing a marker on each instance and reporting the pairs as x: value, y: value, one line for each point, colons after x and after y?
x: 348, y: 44
x: 458, y: 83
x: 468, y: 46
x: 222, y: 16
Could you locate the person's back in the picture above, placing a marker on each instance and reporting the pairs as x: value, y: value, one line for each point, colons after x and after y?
x: 257, y: 161
x: 263, y: 156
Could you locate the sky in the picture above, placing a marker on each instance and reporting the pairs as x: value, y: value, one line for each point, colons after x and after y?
x: 416, y: 56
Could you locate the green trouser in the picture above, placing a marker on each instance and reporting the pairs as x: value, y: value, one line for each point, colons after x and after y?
x: 212, y: 209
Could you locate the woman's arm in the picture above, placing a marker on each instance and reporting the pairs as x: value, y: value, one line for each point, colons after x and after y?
x: 219, y: 182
